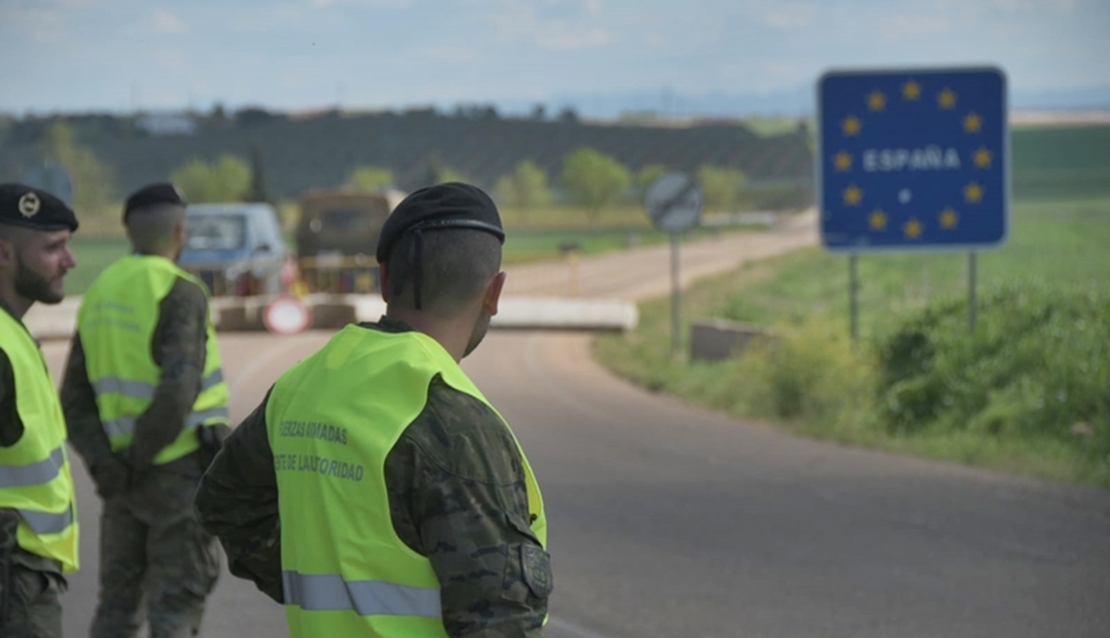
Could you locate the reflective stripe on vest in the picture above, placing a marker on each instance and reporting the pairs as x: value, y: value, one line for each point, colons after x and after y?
x: 33, y: 474
x: 329, y: 592
x: 46, y: 522
x: 145, y: 391
x: 125, y: 425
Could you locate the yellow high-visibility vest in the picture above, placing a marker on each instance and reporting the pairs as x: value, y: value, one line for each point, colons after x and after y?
x: 34, y: 473
x: 116, y: 324
x: 332, y: 421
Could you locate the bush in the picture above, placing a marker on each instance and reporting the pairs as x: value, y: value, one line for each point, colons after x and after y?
x: 1038, y: 366
x: 812, y: 373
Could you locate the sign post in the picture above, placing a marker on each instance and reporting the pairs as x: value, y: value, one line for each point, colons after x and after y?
x: 674, y: 203
x: 913, y: 159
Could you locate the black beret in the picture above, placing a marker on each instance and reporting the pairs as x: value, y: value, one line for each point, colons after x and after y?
x: 444, y: 206
x: 152, y: 195
x: 34, y: 208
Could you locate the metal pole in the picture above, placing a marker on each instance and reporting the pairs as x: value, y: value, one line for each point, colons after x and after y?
x: 972, y: 297
x: 572, y: 259
x: 676, y: 297
x: 853, y: 295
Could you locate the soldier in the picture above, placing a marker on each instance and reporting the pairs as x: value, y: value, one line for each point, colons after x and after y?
x: 38, y: 526
x: 146, y: 404
x: 375, y: 491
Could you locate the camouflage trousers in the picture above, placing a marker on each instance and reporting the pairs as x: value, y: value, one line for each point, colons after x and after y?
x: 34, y: 604
x: 156, y: 562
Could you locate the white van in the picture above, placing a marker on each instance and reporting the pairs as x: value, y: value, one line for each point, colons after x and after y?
x: 237, y: 249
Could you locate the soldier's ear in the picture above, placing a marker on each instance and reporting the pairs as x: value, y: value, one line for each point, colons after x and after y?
x: 383, y: 277
x: 7, y: 253
x: 493, y: 293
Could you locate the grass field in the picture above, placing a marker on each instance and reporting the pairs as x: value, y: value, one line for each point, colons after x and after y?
x: 834, y: 387
x: 1051, y: 241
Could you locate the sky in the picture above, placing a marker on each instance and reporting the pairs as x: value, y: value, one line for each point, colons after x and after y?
x: 123, y: 55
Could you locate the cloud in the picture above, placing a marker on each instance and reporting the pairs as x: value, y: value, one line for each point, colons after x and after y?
x: 377, y: 4
x: 41, y: 25
x: 165, y: 22
x: 1013, y: 6
x: 903, y: 25
x: 553, y: 25
x: 71, y: 4
x: 170, y: 59
x: 572, y: 40
x: 447, y: 53
x: 791, y: 16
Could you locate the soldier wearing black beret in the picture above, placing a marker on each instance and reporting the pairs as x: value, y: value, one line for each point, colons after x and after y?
x: 38, y: 532
x: 153, y: 196
x: 460, y: 524
x: 145, y: 402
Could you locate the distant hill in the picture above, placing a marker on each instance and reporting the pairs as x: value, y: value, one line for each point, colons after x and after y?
x: 1052, y: 155
x: 319, y: 150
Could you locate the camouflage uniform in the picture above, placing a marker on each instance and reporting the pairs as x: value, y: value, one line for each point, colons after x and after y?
x: 152, y: 548
x: 34, y: 583
x: 34, y: 606
x: 468, y: 514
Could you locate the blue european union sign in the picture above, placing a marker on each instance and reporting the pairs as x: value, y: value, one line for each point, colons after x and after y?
x: 915, y: 158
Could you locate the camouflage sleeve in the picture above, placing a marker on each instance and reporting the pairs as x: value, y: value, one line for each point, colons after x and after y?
x: 86, y: 432
x: 11, y: 427
x: 458, y: 496
x: 237, y: 501
x: 178, y: 347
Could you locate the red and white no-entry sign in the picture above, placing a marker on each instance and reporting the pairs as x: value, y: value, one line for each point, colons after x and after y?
x: 286, y: 315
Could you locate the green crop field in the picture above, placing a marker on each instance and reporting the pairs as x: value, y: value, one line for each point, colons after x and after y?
x: 1060, y: 162
x: 1025, y: 393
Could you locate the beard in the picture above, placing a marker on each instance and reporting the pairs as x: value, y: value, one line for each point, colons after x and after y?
x: 31, y: 285
x: 479, y: 333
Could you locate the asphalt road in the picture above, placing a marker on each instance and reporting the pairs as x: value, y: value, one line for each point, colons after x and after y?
x: 669, y: 520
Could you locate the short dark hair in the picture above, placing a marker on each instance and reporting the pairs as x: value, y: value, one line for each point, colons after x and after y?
x: 454, y: 266
x: 151, y: 228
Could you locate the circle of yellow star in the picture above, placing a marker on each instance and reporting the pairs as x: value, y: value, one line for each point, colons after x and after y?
x: 851, y: 126
x: 982, y: 158
x: 911, y: 91
x: 973, y: 123
x: 948, y: 218
x: 876, y: 101
x: 877, y: 220
x: 913, y: 229
x: 947, y: 98
x: 843, y: 161
x: 973, y: 193
x: 853, y: 195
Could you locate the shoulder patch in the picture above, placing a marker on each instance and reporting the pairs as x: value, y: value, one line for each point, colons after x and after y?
x: 536, y: 565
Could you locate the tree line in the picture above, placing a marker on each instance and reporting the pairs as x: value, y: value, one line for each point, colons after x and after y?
x: 590, y: 180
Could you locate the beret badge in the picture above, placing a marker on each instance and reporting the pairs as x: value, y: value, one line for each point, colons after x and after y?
x: 29, y: 205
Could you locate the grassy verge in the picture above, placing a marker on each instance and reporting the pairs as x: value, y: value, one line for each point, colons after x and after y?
x: 1026, y: 394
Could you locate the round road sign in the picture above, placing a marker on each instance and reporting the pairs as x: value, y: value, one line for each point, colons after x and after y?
x: 286, y: 315
x: 674, y: 202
